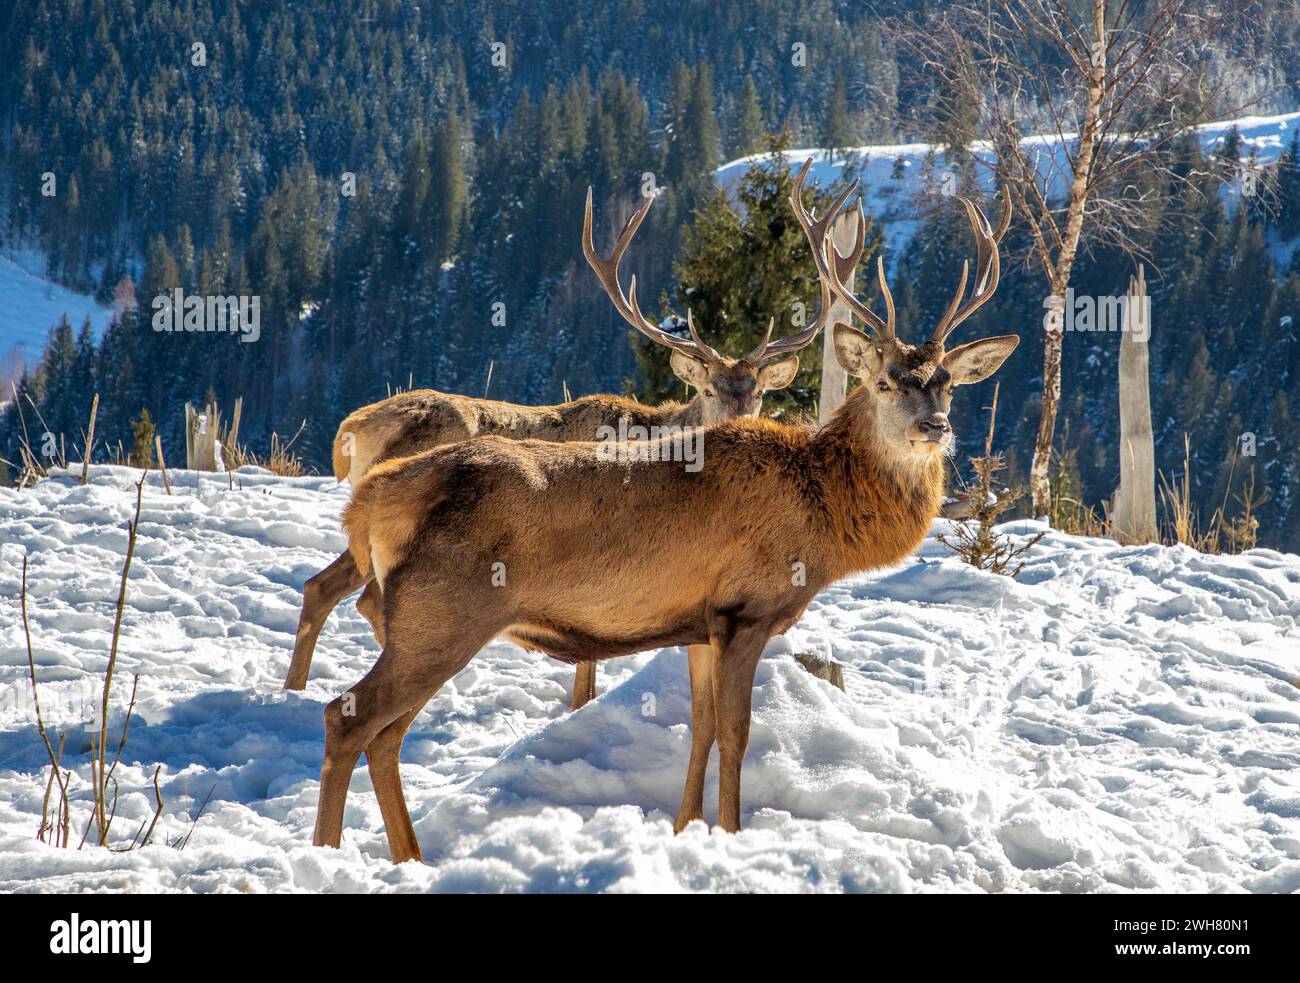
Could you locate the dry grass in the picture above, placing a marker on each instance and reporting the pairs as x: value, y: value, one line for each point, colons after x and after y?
x: 1222, y: 534
x: 103, y: 783
x: 33, y: 466
x: 281, y: 460
x: 1069, y: 513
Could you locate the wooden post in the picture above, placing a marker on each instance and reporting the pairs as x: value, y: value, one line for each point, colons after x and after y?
x: 162, y: 465
x: 835, y: 382
x: 90, y: 440
x: 1134, y: 505
x: 201, y: 438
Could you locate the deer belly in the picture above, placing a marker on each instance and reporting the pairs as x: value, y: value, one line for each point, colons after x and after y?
x: 568, y: 643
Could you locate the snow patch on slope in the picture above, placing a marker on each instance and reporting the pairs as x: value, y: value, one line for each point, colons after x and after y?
x: 894, y: 175
x: 31, y: 305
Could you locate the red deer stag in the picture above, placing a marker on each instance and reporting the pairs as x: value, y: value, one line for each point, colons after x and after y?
x: 776, y: 514
x: 411, y: 422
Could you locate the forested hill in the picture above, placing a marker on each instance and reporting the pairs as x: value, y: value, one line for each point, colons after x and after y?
x: 471, y: 164
x: 402, y: 186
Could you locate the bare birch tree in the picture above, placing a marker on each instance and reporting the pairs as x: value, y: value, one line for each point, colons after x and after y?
x: 1110, y: 86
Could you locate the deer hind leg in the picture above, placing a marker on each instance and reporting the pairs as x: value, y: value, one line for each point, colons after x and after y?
x: 320, y: 595
x: 703, y: 730
x: 436, y: 643
x: 371, y: 607
x: 584, y: 685
x: 382, y: 758
x: 733, y: 694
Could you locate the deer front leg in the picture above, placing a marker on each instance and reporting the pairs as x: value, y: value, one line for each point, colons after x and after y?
x: 733, y: 694
x: 584, y: 684
x: 700, y: 659
x: 320, y: 595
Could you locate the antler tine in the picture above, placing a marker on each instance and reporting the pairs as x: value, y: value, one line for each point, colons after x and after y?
x: 885, y: 294
x: 993, y: 239
x: 845, y: 265
x: 817, y: 232
x: 606, y: 271
x: 690, y: 326
x: 757, y: 354
x: 837, y: 270
x: 884, y: 330
x: 988, y: 270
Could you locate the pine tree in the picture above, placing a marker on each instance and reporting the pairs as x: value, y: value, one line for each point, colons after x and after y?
x: 836, y: 133
x: 955, y: 121
x: 447, y: 191
x: 741, y: 265
x: 142, y: 440
x: 1288, y: 188
x: 747, y: 128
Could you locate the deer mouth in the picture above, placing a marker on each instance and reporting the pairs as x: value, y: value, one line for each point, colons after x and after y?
x: 930, y: 445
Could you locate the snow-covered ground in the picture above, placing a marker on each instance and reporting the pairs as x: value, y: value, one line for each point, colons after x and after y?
x: 893, y: 176
x: 1115, y: 719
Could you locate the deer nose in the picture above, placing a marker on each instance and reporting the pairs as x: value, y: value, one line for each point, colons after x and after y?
x: 936, y: 423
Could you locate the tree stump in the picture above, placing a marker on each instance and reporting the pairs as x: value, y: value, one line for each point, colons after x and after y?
x: 1134, y: 504
x: 201, y: 438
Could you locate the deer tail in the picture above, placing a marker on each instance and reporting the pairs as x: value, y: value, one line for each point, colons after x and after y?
x: 343, y: 446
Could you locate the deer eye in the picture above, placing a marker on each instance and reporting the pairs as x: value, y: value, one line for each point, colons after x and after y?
x: 709, y: 392
x: 883, y: 386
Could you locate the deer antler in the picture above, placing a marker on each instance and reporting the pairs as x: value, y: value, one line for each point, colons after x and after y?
x: 989, y: 267
x: 607, y: 273
x: 830, y: 274
x: 839, y: 269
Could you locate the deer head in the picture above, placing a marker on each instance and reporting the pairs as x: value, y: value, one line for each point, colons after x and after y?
x: 728, y: 388
x: 912, y: 385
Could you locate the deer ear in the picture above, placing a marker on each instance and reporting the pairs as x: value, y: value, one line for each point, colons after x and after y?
x: 689, y: 369
x: 855, y: 352
x: 778, y: 374
x: 977, y: 360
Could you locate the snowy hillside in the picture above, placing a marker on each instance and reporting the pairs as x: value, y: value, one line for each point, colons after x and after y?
x: 30, y: 305
x: 1116, y: 719
x: 892, y: 175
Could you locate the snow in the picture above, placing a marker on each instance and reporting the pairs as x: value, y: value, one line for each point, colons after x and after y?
x: 893, y: 200
x: 1115, y: 719
x: 31, y: 305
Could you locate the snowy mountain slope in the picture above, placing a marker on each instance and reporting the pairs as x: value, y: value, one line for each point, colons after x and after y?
x: 1116, y: 719
x: 30, y: 305
x: 893, y: 175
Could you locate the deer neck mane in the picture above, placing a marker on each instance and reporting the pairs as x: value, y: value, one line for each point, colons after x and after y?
x: 680, y: 414
x: 878, y: 504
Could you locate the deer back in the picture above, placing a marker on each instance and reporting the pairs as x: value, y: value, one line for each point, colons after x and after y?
x: 422, y: 419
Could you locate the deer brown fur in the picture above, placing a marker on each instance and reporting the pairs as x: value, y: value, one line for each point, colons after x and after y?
x: 776, y: 514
